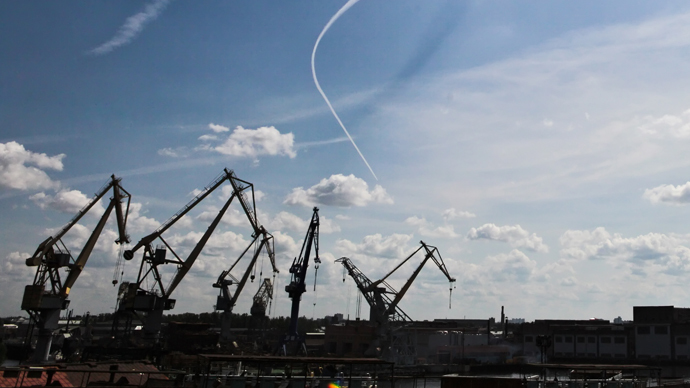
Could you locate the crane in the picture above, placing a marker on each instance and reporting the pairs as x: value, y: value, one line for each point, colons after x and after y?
x: 44, y: 305
x: 135, y: 297
x: 226, y: 299
x: 298, y: 274
x: 383, y: 299
x: 261, y: 301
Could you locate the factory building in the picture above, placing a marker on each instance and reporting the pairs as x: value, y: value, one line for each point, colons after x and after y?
x: 659, y: 333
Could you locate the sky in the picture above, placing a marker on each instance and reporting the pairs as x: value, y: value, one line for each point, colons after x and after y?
x: 541, y: 146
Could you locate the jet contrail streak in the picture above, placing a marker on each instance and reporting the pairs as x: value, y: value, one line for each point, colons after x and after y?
x: 335, y: 17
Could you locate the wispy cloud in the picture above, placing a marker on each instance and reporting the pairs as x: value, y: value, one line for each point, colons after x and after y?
x: 132, y: 27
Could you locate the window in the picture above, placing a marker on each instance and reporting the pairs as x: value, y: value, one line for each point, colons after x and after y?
x: 591, y: 340
x: 643, y: 330
x: 660, y: 330
x: 682, y: 340
x: 580, y: 340
x: 559, y: 339
x: 619, y: 340
x: 529, y: 338
x: 605, y: 340
x: 568, y: 340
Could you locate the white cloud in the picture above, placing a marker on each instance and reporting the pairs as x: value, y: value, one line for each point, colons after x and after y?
x: 514, y: 265
x: 208, y: 137
x: 218, y: 128
x: 15, y: 174
x: 178, y: 152
x: 451, y: 214
x: 288, y: 221
x: 66, y: 201
x: 339, y: 190
x: 670, y: 194
x: 667, y: 125
x: 427, y: 229
x: 138, y: 223
x: 233, y: 216
x: 393, y: 246
x: 512, y: 234
x: 669, y: 252
x: 256, y: 142
x: 14, y: 267
x: 132, y: 27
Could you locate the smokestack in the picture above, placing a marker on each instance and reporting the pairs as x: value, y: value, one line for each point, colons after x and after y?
x: 504, y: 323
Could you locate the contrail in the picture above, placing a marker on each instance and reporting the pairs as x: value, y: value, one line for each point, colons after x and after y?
x: 335, y: 17
x: 132, y: 27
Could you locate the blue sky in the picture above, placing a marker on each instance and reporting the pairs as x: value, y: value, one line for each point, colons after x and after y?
x: 541, y: 146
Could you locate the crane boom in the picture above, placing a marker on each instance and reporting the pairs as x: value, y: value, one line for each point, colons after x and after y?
x: 226, y: 299
x: 44, y: 305
x: 384, y: 312
x: 134, y: 297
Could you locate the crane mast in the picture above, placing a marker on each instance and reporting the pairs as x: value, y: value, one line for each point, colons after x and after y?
x: 298, y: 274
x: 226, y: 299
x: 44, y: 305
x: 383, y: 299
x: 135, y: 297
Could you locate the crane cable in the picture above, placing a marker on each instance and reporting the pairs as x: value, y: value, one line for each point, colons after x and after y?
x: 119, y: 267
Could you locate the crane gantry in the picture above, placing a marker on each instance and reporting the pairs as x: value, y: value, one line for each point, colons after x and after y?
x: 383, y: 299
x: 44, y: 305
x: 136, y: 297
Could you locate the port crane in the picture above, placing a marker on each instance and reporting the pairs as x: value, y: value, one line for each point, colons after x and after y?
x: 44, y: 304
x: 135, y: 297
x: 261, y: 304
x: 226, y: 299
x: 297, y: 286
x: 383, y: 300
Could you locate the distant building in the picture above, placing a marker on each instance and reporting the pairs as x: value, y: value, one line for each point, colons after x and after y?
x: 659, y: 333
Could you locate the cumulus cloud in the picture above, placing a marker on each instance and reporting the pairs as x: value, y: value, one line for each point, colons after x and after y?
x: 132, y: 27
x: 14, y: 267
x: 512, y: 234
x: 451, y: 214
x: 339, y: 190
x: 233, y: 216
x: 514, y: 265
x: 138, y: 223
x: 66, y: 201
x: 667, y: 251
x: 256, y: 142
x: 427, y: 229
x: 17, y: 173
x: 288, y: 221
x: 218, y: 128
x: 393, y: 246
x: 670, y: 194
x: 676, y: 126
